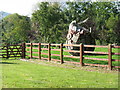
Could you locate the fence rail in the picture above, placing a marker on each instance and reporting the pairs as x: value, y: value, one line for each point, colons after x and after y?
x: 49, y: 48
x: 12, y: 51
x: 35, y: 50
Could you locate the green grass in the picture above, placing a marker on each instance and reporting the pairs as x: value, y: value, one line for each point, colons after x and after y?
x: 41, y: 74
x: 114, y: 63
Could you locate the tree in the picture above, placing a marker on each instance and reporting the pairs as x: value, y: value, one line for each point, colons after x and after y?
x: 103, y: 18
x: 47, y: 22
x: 15, y: 29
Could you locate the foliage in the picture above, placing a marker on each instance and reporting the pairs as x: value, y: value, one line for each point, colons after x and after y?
x: 100, y: 18
x: 15, y: 29
x: 49, y: 22
x: 103, y: 18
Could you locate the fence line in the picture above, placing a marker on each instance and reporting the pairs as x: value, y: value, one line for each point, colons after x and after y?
x: 48, y: 47
x: 12, y: 51
x: 20, y: 51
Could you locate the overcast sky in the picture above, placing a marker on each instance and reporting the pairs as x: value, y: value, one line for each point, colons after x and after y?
x: 22, y: 7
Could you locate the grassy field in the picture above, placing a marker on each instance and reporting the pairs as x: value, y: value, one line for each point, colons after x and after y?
x: 41, y: 74
x: 114, y: 63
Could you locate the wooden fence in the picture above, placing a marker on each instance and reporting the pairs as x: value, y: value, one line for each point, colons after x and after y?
x: 36, y: 48
x: 8, y: 51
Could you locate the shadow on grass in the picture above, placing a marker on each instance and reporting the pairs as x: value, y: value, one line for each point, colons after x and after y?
x: 94, y: 54
x: 7, y: 63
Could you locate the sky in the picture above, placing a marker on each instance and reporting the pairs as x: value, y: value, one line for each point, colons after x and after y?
x: 22, y: 7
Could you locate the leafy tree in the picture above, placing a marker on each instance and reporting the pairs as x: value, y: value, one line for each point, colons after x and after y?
x: 52, y: 20
x: 47, y: 22
x: 15, y: 29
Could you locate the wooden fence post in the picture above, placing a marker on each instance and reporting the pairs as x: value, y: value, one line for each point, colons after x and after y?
x: 81, y: 54
x: 23, y: 50
x: 31, y: 50
x: 39, y: 50
x: 110, y: 56
x: 49, y: 52
x: 61, y: 53
x: 7, y: 52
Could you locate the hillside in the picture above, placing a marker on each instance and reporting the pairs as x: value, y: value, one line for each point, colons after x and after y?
x: 3, y: 14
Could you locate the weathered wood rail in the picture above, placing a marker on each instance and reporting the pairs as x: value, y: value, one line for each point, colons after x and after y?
x: 35, y: 50
x: 48, y: 47
x: 9, y: 51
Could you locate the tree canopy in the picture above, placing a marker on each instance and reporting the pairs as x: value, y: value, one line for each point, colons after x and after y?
x: 49, y: 22
x: 14, y: 29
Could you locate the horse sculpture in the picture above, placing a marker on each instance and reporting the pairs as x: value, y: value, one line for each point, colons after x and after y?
x: 78, y: 34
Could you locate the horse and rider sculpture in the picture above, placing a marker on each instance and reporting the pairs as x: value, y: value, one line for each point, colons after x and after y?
x: 78, y: 34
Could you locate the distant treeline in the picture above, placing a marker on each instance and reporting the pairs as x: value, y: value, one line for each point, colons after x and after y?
x: 50, y: 21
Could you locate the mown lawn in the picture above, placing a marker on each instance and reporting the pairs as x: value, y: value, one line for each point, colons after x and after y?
x: 41, y: 74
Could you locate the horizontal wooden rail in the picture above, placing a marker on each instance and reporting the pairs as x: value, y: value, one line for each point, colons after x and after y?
x: 44, y: 58
x: 116, y: 66
x: 95, y: 46
x: 28, y: 55
x: 115, y: 53
x: 115, y: 60
x: 35, y: 52
x: 20, y: 50
x: 71, y: 51
x: 27, y: 43
x: 55, y: 44
x: 4, y: 54
x: 15, y: 56
x: 28, y: 47
x: 55, y: 59
x: 81, y: 57
x: 95, y: 65
x: 75, y: 45
x: 55, y: 55
x: 96, y: 59
x: 44, y: 48
x: 35, y: 43
x: 104, y: 53
x: 34, y: 48
x: 55, y: 49
x: 72, y: 62
x: 15, y: 48
x: 115, y: 46
x: 71, y: 56
x: 44, y: 43
x: 14, y: 45
x: 44, y: 53
x: 3, y: 49
x: 35, y: 56
x: 28, y: 51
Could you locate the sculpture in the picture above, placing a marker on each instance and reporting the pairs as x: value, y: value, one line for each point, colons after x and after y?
x: 77, y: 34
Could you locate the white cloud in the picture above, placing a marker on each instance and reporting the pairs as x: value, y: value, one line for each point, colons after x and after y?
x: 23, y: 7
